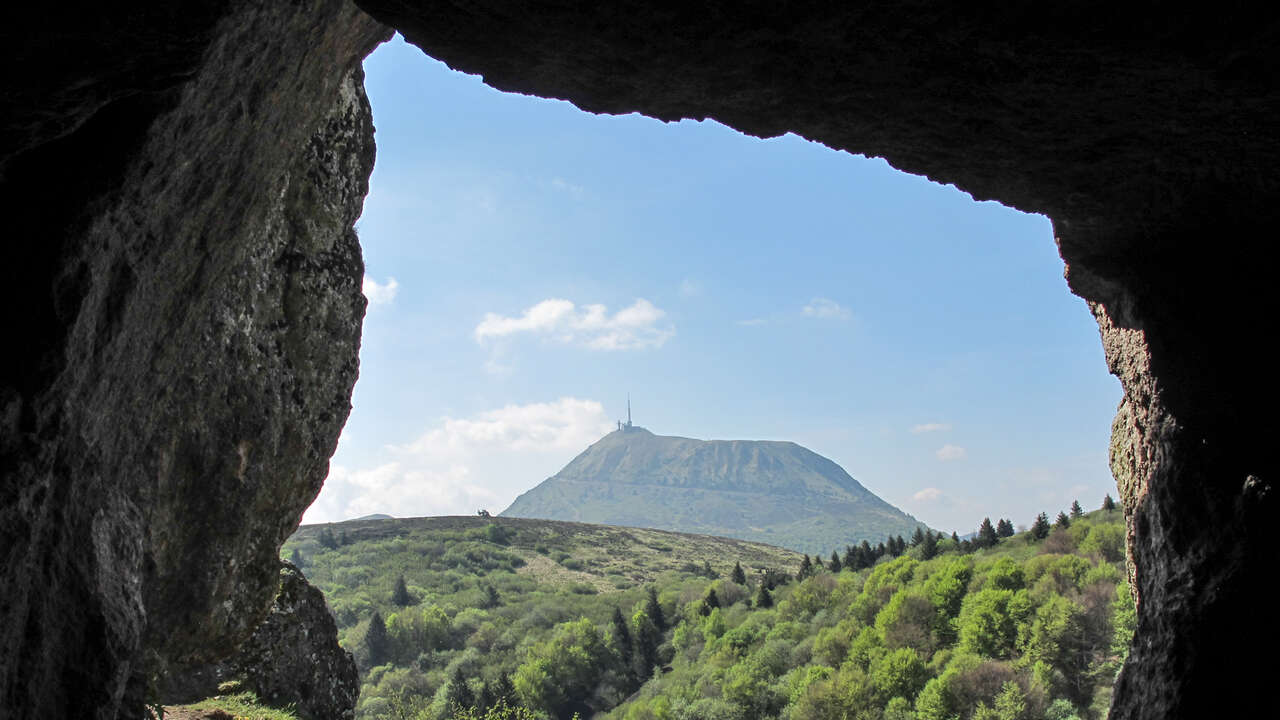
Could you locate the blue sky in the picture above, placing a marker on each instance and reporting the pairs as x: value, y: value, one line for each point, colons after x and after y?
x: 529, y: 264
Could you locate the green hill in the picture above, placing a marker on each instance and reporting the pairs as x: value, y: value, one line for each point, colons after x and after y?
x: 513, y: 619
x: 772, y: 492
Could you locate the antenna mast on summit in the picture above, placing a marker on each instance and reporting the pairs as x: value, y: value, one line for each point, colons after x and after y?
x: 628, y: 409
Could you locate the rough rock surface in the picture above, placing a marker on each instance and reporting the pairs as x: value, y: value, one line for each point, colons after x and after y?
x: 183, y: 284
x: 293, y: 656
x: 185, y: 287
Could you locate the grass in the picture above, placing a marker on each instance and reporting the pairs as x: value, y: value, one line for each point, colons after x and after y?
x: 240, y: 706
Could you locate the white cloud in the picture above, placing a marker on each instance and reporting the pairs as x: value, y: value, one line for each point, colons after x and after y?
x: 930, y: 427
x: 689, y: 288
x: 636, y: 326
x: 464, y: 464
x: 379, y: 294
x: 752, y: 322
x: 574, y: 191
x: 927, y: 494
x: 824, y: 308
x: 951, y: 452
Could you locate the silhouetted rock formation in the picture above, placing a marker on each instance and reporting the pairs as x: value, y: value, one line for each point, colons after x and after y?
x: 181, y: 283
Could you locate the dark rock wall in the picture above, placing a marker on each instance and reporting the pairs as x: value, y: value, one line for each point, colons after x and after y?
x: 180, y: 280
x: 185, y: 283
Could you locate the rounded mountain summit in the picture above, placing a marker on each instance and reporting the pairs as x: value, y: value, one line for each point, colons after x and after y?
x: 765, y: 491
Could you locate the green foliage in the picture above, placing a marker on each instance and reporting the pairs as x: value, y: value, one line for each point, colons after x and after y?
x: 1021, y: 630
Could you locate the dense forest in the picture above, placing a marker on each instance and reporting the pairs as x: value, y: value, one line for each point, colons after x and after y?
x: 502, y: 618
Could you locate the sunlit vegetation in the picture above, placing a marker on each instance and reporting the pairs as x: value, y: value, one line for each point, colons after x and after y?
x: 1002, y: 626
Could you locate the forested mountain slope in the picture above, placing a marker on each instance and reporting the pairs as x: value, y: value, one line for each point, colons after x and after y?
x: 518, y: 619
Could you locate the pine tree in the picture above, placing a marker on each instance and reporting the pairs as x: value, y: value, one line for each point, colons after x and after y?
x: 806, y: 567
x: 377, y: 641
x: 327, y: 539
x: 986, y: 534
x: 866, y: 555
x: 955, y: 538
x: 817, y: 563
x: 621, y: 634
x: 917, y: 537
x: 654, y: 610
x: 503, y: 689
x: 400, y: 596
x: 902, y: 547
x: 1063, y: 521
x: 851, y: 557
x: 707, y: 571
x: 1004, y: 528
x: 1040, y: 529
x: 763, y: 598
x: 295, y: 558
x: 1076, y: 510
x: 710, y: 602
x: 344, y: 540
x: 737, y: 575
x: 834, y: 565
x: 1108, y: 504
x: 491, y: 598
x: 929, y: 548
x: 459, y: 695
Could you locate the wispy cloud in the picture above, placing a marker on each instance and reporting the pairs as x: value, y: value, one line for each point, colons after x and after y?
x: 637, y: 326
x: 577, y: 192
x: 928, y: 494
x: 825, y: 309
x: 464, y: 464
x: 689, y: 288
x: 951, y: 452
x: 930, y: 427
x: 379, y: 293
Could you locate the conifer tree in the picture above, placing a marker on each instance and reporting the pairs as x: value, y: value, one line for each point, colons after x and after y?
x: 377, y: 641
x: 326, y: 538
x: 654, y: 610
x: 710, y: 602
x: 344, y: 540
x: 986, y: 534
x: 917, y: 537
x: 1040, y: 529
x: 296, y: 558
x: 1108, y: 504
x: 851, y: 557
x: 955, y: 538
x: 834, y: 565
x: 707, y: 571
x: 806, y: 567
x: 459, y: 695
x: 1004, y: 528
x: 929, y: 548
x: 902, y: 547
x: 737, y: 575
x: 866, y: 555
x: 1063, y: 521
x: 1076, y: 510
x: 400, y: 596
x: 621, y: 634
x: 817, y: 563
x: 763, y: 598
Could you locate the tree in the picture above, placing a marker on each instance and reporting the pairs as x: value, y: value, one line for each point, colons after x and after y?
x: 929, y: 548
x: 737, y: 575
x: 327, y: 539
x: 377, y: 641
x: 1076, y: 510
x: 987, y: 534
x: 763, y: 598
x: 653, y: 610
x: 1004, y: 528
x: 491, y: 599
x: 296, y: 558
x: 459, y: 695
x: 850, y: 557
x: 917, y: 537
x: 1040, y: 528
x: 806, y: 567
x: 710, y: 602
x: 1108, y: 504
x: 834, y: 565
x: 1063, y: 521
x: 621, y: 634
x: 955, y: 538
x: 866, y: 556
x: 483, y: 513
x: 817, y: 563
x: 707, y: 570
x: 400, y: 596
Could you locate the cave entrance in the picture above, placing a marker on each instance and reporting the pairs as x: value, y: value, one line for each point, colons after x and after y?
x: 528, y: 264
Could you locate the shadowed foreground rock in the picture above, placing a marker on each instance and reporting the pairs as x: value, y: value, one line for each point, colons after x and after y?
x: 181, y: 284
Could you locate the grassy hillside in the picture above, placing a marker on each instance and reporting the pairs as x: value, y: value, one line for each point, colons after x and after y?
x: 507, y: 618
x: 482, y: 591
x: 772, y: 492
